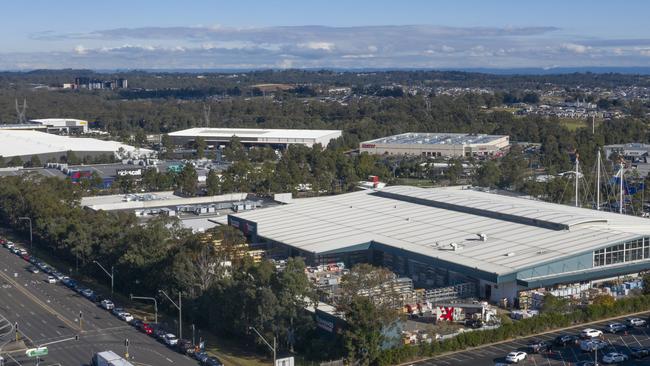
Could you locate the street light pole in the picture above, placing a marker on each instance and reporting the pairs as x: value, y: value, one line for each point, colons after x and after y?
x: 180, y: 311
x: 155, y: 304
x: 31, y: 241
x: 109, y: 274
x: 273, y: 348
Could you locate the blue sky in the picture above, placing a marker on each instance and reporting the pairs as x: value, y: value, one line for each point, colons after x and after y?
x: 355, y: 34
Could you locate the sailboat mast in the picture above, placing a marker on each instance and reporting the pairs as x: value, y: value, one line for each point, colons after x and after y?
x: 577, y: 165
x: 620, y: 203
x: 598, y: 181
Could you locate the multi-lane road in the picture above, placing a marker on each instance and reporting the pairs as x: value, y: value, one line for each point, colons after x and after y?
x: 50, y: 312
x: 560, y: 356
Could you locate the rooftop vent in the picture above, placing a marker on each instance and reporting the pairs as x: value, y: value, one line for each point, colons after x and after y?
x: 482, y: 236
x: 510, y: 254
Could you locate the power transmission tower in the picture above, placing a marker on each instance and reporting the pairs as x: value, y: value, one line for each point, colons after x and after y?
x: 20, y: 114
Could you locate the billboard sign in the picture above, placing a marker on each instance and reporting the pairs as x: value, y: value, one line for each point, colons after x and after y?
x: 129, y: 172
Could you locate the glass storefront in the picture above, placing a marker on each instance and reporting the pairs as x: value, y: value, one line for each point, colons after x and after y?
x: 630, y: 251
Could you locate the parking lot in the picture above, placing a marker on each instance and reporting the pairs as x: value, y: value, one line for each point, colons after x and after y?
x: 564, y: 356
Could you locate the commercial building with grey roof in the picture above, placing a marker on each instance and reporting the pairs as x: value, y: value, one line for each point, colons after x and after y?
x: 438, y: 145
x: 452, y: 235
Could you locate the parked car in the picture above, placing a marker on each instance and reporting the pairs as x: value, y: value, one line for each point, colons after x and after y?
x: 636, y: 322
x: 185, y: 346
x: 516, y: 356
x: 537, y: 346
x: 59, y: 276
x: 563, y: 340
x: 590, y: 345
x: 142, y: 326
x: 51, y: 279
x: 33, y: 269
x: 474, y: 323
x: 159, y: 333
x: 614, y: 357
x: 587, y: 363
x: 616, y: 327
x: 69, y: 282
x: 170, y: 339
x: 107, y: 304
x: 137, y: 323
x: 87, y: 293
x: 201, y: 356
x: 213, y: 361
x: 639, y: 352
x: 591, y: 333
x: 127, y: 317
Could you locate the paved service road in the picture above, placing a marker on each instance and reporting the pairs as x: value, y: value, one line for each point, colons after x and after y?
x: 560, y: 356
x: 50, y: 312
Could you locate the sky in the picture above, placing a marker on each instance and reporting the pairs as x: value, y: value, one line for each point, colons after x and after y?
x: 280, y: 34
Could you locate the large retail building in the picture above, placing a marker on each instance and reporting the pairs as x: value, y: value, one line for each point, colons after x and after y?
x: 256, y: 136
x: 445, y: 236
x: 438, y: 145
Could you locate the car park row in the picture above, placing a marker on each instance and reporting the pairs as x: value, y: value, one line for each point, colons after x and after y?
x: 589, y: 340
x: 53, y: 276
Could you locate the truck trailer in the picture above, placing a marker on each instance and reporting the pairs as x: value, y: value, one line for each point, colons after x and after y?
x: 109, y: 358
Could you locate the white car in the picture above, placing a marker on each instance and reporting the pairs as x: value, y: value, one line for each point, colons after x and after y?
x: 591, y: 333
x: 516, y: 356
x: 170, y: 339
x: 636, y: 322
x: 107, y: 304
x: 127, y: 317
x: 614, y: 357
x: 51, y: 279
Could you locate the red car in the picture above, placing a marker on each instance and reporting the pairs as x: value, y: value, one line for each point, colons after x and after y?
x: 25, y: 257
x: 146, y: 328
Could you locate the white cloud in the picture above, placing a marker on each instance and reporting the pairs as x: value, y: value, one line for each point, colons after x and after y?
x: 422, y: 46
x: 575, y: 48
x: 80, y: 50
x: 324, y: 46
x: 645, y: 52
x: 447, y: 49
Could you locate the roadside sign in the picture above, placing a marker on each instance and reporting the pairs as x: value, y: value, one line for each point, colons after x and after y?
x: 287, y: 361
x: 36, y: 352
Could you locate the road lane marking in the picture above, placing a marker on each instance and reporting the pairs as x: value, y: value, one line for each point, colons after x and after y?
x: 38, y: 301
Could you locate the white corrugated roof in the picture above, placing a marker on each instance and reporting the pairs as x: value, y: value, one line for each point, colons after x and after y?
x: 254, y: 133
x: 534, y: 231
x: 25, y: 143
